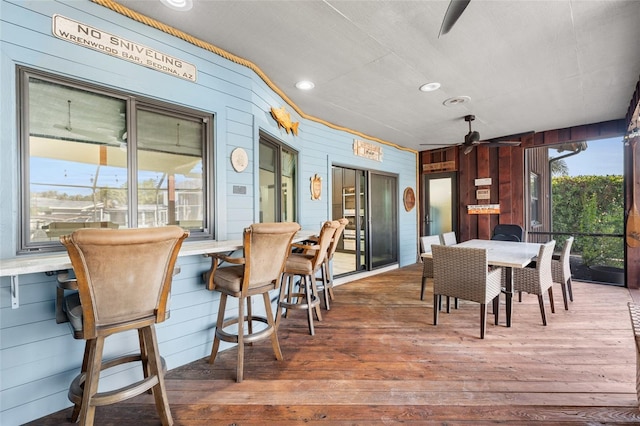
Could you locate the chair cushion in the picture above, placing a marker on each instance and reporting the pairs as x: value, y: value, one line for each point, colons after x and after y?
x: 229, y: 278
x: 73, y: 308
x: 299, y: 264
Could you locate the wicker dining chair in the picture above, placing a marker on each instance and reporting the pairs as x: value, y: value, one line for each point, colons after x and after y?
x: 449, y: 239
x: 266, y: 247
x: 539, y: 279
x: 123, y: 278
x: 427, y: 263
x: 561, y: 271
x: 463, y: 273
x: 634, y: 311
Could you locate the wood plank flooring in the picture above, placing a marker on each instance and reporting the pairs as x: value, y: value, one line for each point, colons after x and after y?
x: 376, y: 358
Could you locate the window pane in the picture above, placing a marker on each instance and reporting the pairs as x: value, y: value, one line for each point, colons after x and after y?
x: 267, y: 183
x: 77, y: 160
x: 289, y: 161
x: 170, y: 171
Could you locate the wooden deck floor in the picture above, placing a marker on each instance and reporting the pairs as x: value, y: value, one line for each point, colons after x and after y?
x: 377, y: 359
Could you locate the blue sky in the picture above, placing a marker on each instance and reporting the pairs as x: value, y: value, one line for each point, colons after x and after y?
x: 602, y: 157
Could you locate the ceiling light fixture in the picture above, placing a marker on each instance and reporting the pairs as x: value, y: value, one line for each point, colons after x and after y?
x: 457, y: 100
x: 181, y: 5
x: 305, y: 85
x: 429, y: 87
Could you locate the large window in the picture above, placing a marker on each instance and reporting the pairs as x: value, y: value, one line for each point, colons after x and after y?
x: 278, y: 167
x: 580, y: 193
x: 94, y: 158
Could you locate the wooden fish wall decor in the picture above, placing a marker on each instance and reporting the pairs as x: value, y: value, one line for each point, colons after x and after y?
x: 283, y: 118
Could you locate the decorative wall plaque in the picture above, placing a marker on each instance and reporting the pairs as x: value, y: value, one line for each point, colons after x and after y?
x: 239, y: 159
x: 316, y: 187
x: 367, y: 150
x: 409, y: 198
x: 283, y: 118
x: 483, y: 209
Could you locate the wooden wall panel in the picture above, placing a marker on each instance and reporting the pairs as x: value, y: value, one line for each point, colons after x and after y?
x: 483, y: 167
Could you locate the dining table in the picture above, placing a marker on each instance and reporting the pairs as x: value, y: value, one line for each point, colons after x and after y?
x: 508, y: 255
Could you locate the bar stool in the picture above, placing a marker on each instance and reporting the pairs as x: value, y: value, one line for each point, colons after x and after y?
x: 123, y: 277
x: 305, y: 265
x: 266, y: 247
x: 325, y: 283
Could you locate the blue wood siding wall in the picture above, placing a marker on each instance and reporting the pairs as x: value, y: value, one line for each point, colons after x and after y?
x: 38, y: 358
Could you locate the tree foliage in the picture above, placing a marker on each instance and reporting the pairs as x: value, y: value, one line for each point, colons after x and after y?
x: 591, y: 205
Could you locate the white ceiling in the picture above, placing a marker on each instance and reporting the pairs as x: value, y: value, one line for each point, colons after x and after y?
x: 526, y: 65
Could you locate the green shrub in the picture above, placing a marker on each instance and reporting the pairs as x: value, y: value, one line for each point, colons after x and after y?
x: 591, y: 205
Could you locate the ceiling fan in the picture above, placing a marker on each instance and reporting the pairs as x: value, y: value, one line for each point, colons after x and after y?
x: 472, y: 139
x: 101, y: 134
x: 455, y: 9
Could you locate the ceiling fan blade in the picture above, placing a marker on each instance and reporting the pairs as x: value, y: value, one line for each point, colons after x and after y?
x: 455, y: 9
x: 501, y: 143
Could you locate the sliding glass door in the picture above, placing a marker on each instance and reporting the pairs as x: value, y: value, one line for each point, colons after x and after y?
x: 370, y: 202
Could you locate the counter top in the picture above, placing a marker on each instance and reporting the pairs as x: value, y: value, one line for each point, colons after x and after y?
x: 32, y: 263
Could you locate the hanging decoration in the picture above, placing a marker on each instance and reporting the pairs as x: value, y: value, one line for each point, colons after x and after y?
x: 283, y: 118
x: 316, y: 187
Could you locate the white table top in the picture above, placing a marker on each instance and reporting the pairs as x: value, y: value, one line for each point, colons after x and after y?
x: 32, y: 263
x: 510, y: 254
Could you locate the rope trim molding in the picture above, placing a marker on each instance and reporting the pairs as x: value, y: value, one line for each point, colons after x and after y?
x: 122, y: 10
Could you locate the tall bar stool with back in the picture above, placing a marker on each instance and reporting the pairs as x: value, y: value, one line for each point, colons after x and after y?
x: 266, y: 247
x: 123, y: 278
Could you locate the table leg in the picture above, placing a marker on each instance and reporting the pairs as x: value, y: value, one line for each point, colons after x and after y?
x: 509, y: 293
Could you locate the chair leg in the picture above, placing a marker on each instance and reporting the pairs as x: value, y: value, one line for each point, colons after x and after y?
x: 569, y: 288
x: 553, y: 307
x: 281, y: 297
x: 240, y: 366
x: 88, y: 410
x: 219, y: 325
x: 563, y: 287
x: 448, y: 305
x: 314, y: 293
x: 249, y: 317
x: 330, y: 274
x: 496, y: 308
x: 483, y: 319
x: 324, y: 270
x: 309, y: 309
x: 541, y: 303
x: 271, y: 323
x: 83, y: 370
x: 436, y: 308
x: 424, y: 285
x: 155, y: 367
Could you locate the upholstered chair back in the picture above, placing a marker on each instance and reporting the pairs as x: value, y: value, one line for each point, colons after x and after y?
x: 266, y: 248
x: 123, y: 275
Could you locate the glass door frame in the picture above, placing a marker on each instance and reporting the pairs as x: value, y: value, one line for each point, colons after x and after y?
x: 425, y: 227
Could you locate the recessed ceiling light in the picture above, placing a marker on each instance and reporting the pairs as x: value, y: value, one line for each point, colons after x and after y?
x: 181, y: 5
x: 305, y: 85
x: 457, y: 100
x: 430, y: 87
